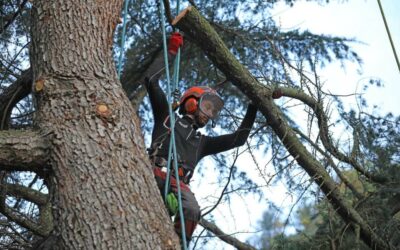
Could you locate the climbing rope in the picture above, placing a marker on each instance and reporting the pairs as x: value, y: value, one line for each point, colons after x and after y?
x: 174, y: 86
x: 172, y: 154
x: 122, y: 46
x: 388, y: 32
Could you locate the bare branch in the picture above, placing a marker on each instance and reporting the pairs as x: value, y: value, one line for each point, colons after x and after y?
x: 21, y: 219
x: 11, y: 20
x: 342, y: 177
x: 317, y: 107
x: 23, y: 150
x: 224, y: 237
x: 26, y: 193
x: 132, y: 80
x: 167, y: 11
x: 225, y: 187
x: 12, y: 95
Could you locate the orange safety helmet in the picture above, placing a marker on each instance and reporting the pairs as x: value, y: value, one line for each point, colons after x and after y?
x: 201, y: 97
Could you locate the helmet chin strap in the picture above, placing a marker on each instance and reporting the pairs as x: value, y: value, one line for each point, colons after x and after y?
x: 193, y: 119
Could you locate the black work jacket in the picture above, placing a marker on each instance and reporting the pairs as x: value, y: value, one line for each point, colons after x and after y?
x: 191, y: 145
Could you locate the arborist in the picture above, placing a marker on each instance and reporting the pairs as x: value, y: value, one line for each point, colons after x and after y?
x: 198, y: 105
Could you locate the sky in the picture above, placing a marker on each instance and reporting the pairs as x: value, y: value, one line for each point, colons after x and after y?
x: 359, y: 19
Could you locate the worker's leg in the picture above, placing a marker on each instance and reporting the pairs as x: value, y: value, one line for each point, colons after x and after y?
x: 190, y: 207
x: 160, y: 179
x: 191, y: 212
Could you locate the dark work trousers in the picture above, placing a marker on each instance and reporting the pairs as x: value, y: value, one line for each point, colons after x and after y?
x: 190, y: 207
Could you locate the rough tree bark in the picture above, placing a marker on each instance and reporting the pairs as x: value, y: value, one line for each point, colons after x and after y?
x: 101, y: 185
x: 23, y: 150
x: 193, y: 24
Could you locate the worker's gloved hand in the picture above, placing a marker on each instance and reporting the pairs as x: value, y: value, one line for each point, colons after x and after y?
x: 175, y: 41
x: 172, y: 204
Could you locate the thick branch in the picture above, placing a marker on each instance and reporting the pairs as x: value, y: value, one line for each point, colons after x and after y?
x: 203, y: 34
x: 132, y: 80
x: 193, y: 24
x: 26, y: 193
x: 12, y: 95
x: 23, y: 221
x: 42, y: 229
x: 224, y: 237
x: 24, y: 150
x: 323, y: 128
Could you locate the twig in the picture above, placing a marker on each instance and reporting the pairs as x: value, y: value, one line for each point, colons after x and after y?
x: 224, y: 189
x: 21, y: 7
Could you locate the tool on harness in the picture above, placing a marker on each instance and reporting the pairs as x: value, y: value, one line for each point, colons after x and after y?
x: 172, y: 204
x: 176, y: 94
x: 185, y: 174
x: 174, y: 43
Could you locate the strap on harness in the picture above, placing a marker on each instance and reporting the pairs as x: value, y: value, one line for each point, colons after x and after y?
x: 185, y: 174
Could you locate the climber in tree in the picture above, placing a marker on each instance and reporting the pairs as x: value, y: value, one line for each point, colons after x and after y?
x: 198, y: 105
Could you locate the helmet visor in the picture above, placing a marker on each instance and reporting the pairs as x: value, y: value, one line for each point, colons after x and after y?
x: 211, y: 104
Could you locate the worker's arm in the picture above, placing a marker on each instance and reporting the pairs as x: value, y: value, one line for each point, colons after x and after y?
x: 213, y: 145
x: 157, y: 96
x: 158, y: 101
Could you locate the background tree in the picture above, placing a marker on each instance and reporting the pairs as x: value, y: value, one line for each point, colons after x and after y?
x: 320, y: 228
x: 86, y: 125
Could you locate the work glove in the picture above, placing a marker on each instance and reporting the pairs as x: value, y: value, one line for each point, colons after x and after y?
x: 172, y: 204
x: 175, y: 41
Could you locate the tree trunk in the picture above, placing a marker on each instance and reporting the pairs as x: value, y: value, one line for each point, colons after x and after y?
x: 102, y: 188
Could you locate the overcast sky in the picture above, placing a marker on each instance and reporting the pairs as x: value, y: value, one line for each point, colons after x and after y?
x: 359, y: 19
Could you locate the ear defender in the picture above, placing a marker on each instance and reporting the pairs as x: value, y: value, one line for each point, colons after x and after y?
x: 191, y: 105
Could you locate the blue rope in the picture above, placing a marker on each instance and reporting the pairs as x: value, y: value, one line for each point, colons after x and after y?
x: 178, y: 56
x: 172, y: 127
x: 174, y: 86
x: 122, y: 47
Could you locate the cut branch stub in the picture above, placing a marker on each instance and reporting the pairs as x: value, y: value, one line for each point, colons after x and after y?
x: 39, y: 84
x: 102, y: 109
x: 277, y: 93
